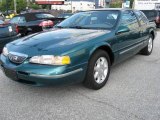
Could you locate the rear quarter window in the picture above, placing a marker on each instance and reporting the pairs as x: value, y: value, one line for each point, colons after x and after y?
x: 129, y: 19
x: 142, y: 18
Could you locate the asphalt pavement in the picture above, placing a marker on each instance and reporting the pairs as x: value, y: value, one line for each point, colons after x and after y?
x: 131, y: 93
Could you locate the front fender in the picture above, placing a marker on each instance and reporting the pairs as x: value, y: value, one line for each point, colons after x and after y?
x: 97, y: 46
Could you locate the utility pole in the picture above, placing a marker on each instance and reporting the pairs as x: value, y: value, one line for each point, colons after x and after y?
x: 27, y: 3
x: 71, y: 6
x: 15, y: 6
x: 94, y: 4
x: 7, y: 6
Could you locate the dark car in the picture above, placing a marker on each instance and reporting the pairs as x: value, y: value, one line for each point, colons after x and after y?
x: 82, y: 48
x: 34, y: 22
x: 153, y: 15
x: 8, y: 33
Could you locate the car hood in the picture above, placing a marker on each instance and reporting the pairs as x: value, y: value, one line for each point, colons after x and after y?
x: 56, y: 40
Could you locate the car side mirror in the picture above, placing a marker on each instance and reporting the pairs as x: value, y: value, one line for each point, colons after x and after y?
x: 122, y: 29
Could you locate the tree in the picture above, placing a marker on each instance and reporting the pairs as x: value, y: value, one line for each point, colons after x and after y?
x: 34, y: 6
x: 4, y: 6
x: 116, y: 4
x: 21, y: 5
x: 131, y: 3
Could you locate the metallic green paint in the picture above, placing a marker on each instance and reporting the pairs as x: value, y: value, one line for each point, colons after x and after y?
x: 79, y: 44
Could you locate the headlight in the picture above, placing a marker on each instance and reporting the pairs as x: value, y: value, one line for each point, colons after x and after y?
x: 5, y: 51
x: 50, y: 60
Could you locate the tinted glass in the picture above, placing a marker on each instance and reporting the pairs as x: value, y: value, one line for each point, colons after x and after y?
x: 44, y: 15
x: 142, y: 18
x: 129, y: 19
x: 92, y: 20
x: 18, y: 20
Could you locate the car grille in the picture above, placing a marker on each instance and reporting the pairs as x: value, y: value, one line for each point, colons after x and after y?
x: 18, y: 59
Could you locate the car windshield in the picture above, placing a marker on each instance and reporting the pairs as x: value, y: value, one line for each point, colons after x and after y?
x: 91, y: 20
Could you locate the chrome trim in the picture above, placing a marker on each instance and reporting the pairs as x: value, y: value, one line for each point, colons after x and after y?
x: 131, y: 48
x: 57, y: 76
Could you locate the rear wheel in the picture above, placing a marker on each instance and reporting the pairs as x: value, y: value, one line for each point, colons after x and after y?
x: 98, y: 70
x: 149, y: 48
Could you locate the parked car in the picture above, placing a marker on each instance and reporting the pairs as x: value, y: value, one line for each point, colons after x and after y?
x: 65, y: 15
x: 34, y: 22
x: 8, y: 33
x: 153, y: 15
x: 82, y: 48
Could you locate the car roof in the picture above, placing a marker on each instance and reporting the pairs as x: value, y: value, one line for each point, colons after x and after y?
x: 31, y: 16
x: 32, y: 13
x: 102, y: 9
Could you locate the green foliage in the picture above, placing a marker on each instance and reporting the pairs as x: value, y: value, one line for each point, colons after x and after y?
x: 131, y: 4
x: 21, y: 5
x: 34, y: 6
x: 117, y: 4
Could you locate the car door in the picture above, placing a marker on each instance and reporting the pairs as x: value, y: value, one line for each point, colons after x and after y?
x: 128, y: 35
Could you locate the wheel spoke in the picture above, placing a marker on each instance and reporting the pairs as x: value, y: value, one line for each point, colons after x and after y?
x: 102, y: 61
x: 96, y: 75
x: 98, y: 79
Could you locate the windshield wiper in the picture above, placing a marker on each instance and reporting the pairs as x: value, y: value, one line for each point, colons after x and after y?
x: 59, y: 27
x: 78, y: 27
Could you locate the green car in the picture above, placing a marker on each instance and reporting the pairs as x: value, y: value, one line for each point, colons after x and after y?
x: 82, y: 48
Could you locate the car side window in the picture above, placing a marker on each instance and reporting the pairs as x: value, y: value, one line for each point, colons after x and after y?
x: 129, y: 20
x: 142, y: 18
x: 44, y: 15
x: 49, y: 15
x: 22, y: 20
x: 18, y: 20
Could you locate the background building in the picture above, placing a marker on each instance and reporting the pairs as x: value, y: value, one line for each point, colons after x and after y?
x: 146, y: 4
x: 75, y: 5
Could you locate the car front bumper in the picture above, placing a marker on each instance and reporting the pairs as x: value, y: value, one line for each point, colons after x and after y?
x: 38, y: 75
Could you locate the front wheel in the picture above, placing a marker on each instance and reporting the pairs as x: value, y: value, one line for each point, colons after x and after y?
x: 149, y: 48
x: 98, y: 70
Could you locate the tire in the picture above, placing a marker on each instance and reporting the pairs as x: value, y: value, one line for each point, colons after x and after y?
x: 149, y: 48
x: 98, y: 70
